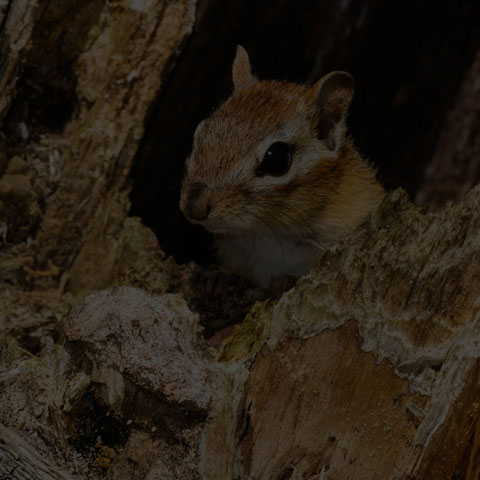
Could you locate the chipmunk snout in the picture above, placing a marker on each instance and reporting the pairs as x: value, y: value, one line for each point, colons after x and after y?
x: 197, y: 204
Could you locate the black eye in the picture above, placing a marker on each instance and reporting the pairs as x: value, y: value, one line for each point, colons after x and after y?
x: 277, y: 160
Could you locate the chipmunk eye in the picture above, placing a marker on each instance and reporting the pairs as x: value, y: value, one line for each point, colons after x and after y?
x: 277, y: 160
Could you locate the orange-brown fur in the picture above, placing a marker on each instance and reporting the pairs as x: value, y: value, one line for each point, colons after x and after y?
x: 327, y: 192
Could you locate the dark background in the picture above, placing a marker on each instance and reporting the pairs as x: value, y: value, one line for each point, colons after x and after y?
x: 410, y: 60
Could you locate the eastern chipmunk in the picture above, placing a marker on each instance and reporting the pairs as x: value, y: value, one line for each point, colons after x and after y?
x: 274, y: 176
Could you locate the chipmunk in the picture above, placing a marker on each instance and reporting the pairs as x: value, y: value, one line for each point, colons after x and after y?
x: 274, y: 176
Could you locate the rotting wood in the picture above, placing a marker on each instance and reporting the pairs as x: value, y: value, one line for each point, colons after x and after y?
x: 369, y: 365
x: 409, y: 281
x: 19, y: 461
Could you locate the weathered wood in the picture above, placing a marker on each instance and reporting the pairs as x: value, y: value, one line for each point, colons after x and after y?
x: 77, y: 80
x: 17, y: 20
x: 368, y: 368
x: 19, y: 461
x: 113, y: 59
x: 328, y: 409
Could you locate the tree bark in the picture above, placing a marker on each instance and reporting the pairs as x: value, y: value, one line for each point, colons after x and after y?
x: 18, y: 461
x: 370, y: 366
x: 367, y: 368
x: 114, y: 66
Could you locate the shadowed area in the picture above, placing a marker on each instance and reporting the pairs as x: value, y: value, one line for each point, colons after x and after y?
x: 407, y: 60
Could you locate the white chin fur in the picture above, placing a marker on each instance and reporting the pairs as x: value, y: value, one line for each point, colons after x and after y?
x: 265, y: 258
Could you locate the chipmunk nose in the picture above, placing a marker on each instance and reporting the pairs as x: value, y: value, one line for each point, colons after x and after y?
x: 197, y: 205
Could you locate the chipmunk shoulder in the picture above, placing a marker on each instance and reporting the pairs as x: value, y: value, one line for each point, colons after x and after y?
x: 274, y: 175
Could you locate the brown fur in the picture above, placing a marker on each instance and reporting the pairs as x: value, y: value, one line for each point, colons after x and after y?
x: 329, y: 188
x: 248, y: 117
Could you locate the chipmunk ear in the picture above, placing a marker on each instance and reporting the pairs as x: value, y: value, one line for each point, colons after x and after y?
x: 332, y: 96
x: 242, y: 71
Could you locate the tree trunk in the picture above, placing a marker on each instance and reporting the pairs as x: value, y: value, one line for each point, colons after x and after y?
x: 367, y: 368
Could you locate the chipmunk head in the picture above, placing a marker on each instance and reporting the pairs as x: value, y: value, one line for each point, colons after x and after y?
x: 269, y: 158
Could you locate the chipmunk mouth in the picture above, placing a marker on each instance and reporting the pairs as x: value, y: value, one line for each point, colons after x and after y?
x: 216, y: 226
x: 208, y: 223
x: 219, y: 226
